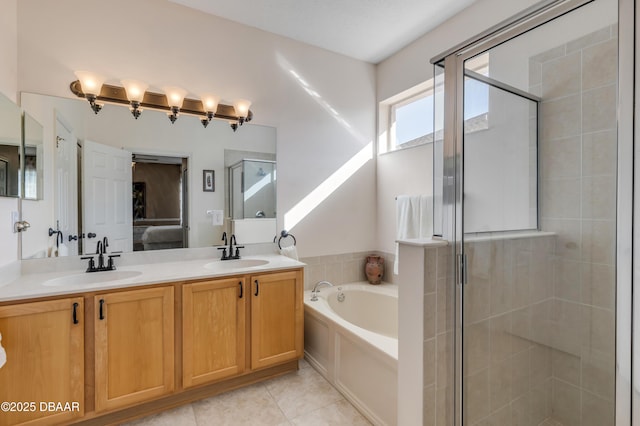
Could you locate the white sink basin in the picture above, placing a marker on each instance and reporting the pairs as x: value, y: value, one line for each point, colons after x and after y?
x: 227, y: 265
x: 92, y: 278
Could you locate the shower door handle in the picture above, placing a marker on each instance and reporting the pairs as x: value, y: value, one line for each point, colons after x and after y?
x: 462, y: 269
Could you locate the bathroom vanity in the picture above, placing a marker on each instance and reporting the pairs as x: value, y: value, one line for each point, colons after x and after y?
x: 154, y: 336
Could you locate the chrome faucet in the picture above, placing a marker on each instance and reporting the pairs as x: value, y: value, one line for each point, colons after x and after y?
x: 316, y: 289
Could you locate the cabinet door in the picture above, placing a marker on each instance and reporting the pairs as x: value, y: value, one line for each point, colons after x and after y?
x: 134, y: 346
x: 276, y: 318
x: 44, y: 342
x: 213, y: 330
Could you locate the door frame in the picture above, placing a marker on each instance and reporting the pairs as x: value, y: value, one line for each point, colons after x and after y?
x: 453, y: 59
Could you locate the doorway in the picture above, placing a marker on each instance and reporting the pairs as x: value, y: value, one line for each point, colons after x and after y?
x: 159, y: 194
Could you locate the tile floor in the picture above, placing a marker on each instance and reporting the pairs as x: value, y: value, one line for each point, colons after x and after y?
x: 303, y: 397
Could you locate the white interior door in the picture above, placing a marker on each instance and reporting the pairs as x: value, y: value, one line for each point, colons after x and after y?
x: 66, y: 186
x: 106, y: 192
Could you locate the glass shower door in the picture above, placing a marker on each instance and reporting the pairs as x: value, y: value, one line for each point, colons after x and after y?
x: 537, y: 137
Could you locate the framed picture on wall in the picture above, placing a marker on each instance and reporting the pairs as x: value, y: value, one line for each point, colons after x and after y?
x: 208, y: 181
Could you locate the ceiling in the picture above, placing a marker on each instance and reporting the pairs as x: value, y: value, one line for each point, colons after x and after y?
x: 369, y: 30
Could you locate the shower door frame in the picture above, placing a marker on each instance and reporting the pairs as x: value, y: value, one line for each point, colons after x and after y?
x: 452, y: 208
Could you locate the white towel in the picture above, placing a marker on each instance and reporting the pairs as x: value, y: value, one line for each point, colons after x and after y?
x: 290, y: 251
x: 3, y: 354
x: 414, y: 219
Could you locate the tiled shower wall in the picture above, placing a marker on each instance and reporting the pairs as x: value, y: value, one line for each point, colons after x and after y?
x: 343, y: 268
x: 507, y: 356
x: 578, y: 84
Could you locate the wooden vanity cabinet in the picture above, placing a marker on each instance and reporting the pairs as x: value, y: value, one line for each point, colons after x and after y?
x: 213, y: 330
x: 276, y: 318
x: 134, y: 346
x: 44, y: 342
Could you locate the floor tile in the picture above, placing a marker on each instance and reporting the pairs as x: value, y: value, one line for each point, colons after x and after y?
x: 181, y: 416
x: 340, y: 413
x: 301, y: 392
x: 252, y: 405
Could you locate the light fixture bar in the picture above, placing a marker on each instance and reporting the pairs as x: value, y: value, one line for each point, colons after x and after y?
x: 158, y: 101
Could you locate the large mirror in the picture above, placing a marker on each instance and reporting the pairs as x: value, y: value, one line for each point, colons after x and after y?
x: 145, y: 183
x: 10, y: 142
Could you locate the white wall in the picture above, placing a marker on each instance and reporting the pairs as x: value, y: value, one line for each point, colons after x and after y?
x: 410, y: 171
x: 9, y: 87
x: 319, y: 127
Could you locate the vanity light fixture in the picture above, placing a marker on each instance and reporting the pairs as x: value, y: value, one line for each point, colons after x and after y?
x: 134, y: 94
x: 241, y: 106
x: 210, y: 105
x: 92, y: 85
x: 175, y: 99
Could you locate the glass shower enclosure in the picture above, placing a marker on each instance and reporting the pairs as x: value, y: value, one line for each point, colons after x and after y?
x: 529, y: 176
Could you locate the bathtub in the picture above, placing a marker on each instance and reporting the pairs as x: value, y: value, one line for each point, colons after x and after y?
x: 353, y: 343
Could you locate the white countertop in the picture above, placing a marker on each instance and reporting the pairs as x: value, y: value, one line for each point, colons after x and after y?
x: 29, y: 286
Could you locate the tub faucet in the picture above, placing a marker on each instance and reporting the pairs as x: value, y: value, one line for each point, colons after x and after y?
x: 316, y: 289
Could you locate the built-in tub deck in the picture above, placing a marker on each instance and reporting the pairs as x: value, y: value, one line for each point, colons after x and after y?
x: 351, y: 339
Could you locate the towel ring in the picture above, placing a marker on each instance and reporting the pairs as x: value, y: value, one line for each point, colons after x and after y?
x: 284, y: 234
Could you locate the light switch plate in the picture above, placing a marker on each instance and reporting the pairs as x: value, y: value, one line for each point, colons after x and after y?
x: 217, y: 217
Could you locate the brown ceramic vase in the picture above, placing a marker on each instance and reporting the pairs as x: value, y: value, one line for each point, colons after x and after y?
x: 374, y: 269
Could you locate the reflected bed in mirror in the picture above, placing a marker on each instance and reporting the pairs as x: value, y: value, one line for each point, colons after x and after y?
x: 90, y: 184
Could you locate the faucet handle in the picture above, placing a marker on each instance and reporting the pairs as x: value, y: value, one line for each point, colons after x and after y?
x: 92, y: 264
x: 224, y: 253
x: 237, y: 255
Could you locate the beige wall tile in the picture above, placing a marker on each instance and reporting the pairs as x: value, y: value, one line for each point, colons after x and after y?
x: 550, y: 54
x: 429, y: 316
x: 566, y: 403
x: 599, y: 197
x: 520, y: 374
x: 599, y: 330
x: 429, y: 362
x: 521, y: 328
x: 561, y: 76
x: 560, y: 158
x: 500, y: 383
x: 444, y: 406
x: 540, y: 401
x: 430, y: 270
x: 521, y: 411
x: 500, y: 337
x: 535, y: 72
x: 476, y: 394
x: 599, y: 109
x: 429, y: 406
x: 540, y: 364
x: 599, y: 153
x: 569, y: 237
x: 597, y: 411
x: 598, y: 241
x: 561, y: 198
x: 600, y: 64
x: 598, y: 373
x: 589, y: 39
x: 444, y: 360
x: 560, y: 118
x: 566, y: 367
x: 567, y: 279
x: 476, y: 344
x: 445, y: 306
x: 598, y: 285
x: 500, y: 295
x: 567, y: 326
